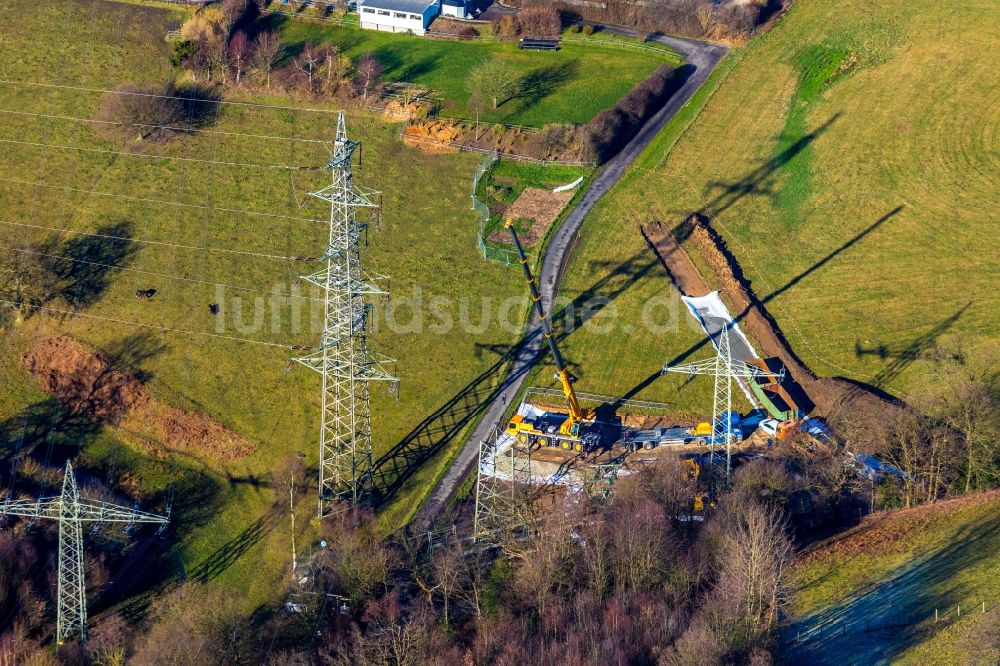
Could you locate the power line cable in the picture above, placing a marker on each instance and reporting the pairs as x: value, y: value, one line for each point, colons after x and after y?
x: 165, y: 275
x: 134, y: 93
x: 165, y: 202
x: 167, y: 329
x: 121, y: 153
x: 182, y: 246
x: 156, y: 126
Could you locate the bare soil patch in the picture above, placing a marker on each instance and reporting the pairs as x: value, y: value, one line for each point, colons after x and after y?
x: 86, y: 381
x: 540, y: 206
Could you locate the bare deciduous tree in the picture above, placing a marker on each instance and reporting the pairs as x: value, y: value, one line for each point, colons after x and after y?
x: 266, y: 48
x: 754, y: 554
x: 239, y: 53
x: 307, y: 65
x: 495, y: 79
x: 369, y: 70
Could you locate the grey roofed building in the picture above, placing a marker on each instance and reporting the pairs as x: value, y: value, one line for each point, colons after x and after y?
x: 408, y: 6
x: 398, y: 15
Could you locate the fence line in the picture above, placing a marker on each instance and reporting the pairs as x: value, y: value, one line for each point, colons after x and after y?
x: 490, y: 251
x: 943, y: 615
x: 489, y: 151
x: 609, y: 43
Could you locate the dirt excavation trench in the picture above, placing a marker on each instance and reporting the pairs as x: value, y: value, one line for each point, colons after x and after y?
x: 86, y: 382
x: 829, y: 395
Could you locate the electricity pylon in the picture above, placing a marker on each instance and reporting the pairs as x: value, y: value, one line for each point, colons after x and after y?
x: 342, y: 358
x: 502, y: 479
x: 724, y: 369
x: 72, y: 511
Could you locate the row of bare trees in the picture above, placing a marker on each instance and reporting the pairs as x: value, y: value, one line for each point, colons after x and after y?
x: 946, y: 439
x: 227, y: 45
x: 624, y: 579
x: 695, y: 18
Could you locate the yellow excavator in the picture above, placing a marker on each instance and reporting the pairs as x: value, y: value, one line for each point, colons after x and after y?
x: 551, y: 429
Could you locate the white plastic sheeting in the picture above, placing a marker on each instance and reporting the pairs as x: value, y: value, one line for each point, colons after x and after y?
x: 713, y: 315
x: 569, y: 186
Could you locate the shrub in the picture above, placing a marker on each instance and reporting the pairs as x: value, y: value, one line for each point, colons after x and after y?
x: 588, y: 30
x: 612, y: 128
x: 135, y: 114
x: 540, y: 22
x: 509, y: 27
x: 573, y: 29
x: 181, y: 51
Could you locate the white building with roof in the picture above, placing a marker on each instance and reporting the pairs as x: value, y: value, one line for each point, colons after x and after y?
x: 398, y: 15
x: 456, y: 8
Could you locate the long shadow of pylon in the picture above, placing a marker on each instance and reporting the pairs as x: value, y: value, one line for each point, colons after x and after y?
x: 436, y: 431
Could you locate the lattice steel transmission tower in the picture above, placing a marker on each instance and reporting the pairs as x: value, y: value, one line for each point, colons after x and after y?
x: 724, y: 369
x: 503, y: 483
x: 72, y: 512
x: 343, y: 358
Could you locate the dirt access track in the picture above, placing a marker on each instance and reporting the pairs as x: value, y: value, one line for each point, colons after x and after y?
x: 702, y: 57
x: 829, y: 395
x: 86, y: 382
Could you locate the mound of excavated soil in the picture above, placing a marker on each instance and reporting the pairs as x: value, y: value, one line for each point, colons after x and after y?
x: 83, y: 379
x: 86, y: 382
x: 830, y: 395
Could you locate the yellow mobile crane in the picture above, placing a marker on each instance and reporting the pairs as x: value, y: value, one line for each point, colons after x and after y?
x: 543, y: 429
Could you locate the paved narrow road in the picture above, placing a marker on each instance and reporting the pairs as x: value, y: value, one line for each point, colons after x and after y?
x: 703, y: 57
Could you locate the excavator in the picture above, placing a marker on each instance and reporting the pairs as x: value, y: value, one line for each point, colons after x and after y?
x: 578, y: 430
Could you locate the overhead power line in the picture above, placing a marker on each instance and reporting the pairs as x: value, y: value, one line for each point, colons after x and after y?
x: 122, y: 153
x: 164, y: 127
x: 255, y: 105
x: 165, y: 275
x: 182, y: 246
x: 166, y: 329
x: 164, y: 202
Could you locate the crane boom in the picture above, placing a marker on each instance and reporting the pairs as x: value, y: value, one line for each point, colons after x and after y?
x: 576, y: 414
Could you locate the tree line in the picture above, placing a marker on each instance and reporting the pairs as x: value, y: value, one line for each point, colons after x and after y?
x: 623, y: 578
x: 229, y: 45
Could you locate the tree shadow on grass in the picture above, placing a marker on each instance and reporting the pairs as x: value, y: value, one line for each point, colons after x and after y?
x: 538, y: 84
x: 197, y: 500
x: 882, y: 621
x: 131, y: 352
x: 81, y: 269
x: 47, y: 434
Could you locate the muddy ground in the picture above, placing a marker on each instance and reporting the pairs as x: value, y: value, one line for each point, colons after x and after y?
x: 87, y: 382
x: 540, y: 206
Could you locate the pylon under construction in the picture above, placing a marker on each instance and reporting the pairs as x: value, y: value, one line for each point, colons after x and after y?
x: 502, y: 480
x: 343, y: 358
x: 724, y: 369
x: 72, y: 512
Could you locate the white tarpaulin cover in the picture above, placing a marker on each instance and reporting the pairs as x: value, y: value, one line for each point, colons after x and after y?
x: 713, y: 315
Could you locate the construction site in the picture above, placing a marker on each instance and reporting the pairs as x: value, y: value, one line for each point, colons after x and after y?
x: 574, y: 443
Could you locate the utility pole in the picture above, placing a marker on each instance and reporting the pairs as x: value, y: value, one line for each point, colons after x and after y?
x: 291, y: 510
x: 342, y: 358
x: 72, y: 512
x: 724, y: 370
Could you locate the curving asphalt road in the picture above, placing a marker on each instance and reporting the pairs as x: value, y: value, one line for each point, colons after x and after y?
x: 703, y: 56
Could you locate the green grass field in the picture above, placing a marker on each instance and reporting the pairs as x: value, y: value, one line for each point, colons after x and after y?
x: 426, y: 244
x: 567, y: 86
x: 849, y: 158
x: 897, y: 570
